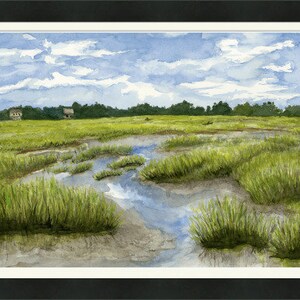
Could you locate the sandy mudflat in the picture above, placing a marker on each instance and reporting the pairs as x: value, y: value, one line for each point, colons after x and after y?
x: 132, y: 243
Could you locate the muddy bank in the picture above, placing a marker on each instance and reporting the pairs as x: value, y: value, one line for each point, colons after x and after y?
x: 132, y: 243
x: 226, y: 186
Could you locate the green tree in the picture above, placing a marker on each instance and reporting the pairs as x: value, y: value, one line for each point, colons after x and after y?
x: 183, y: 108
x: 292, y: 111
x: 266, y: 109
x: 4, y: 115
x: 243, y: 110
x: 221, y: 108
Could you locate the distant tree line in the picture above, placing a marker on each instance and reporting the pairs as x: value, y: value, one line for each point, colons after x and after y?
x: 184, y: 108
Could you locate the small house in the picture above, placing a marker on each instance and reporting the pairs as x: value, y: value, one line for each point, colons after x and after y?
x: 15, y: 114
x: 68, y: 113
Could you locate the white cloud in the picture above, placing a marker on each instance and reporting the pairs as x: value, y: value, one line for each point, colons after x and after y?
x: 232, y: 52
x: 78, y: 48
x: 58, y: 80
x: 12, y: 87
x: 142, y: 89
x: 103, y: 52
x: 287, y: 68
x: 258, y: 90
x: 32, y: 53
x: 184, y: 65
x: 174, y: 34
x: 81, y: 71
x: 4, y: 52
x: 51, y: 60
x: 62, y: 80
x: 28, y: 37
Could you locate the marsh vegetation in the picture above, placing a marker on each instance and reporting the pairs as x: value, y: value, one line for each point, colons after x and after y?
x: 267, y: 169
x: 132, y: 161
x: 107, y: 173
x: 46, y: 205
x: 228, y: 223
x: 95, y: 152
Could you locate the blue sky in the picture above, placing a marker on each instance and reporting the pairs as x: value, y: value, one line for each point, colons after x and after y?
x: 124, y: 69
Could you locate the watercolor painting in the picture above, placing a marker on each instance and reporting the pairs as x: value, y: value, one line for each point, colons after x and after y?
x: 166, y: 149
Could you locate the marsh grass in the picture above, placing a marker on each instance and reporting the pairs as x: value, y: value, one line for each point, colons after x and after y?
x: 211, y: 163
x: 101, y: 150
x: 46, y: 205
x: 184, y: 141
x: 285, y: 242
x: 33, y: 135
x: 80, y: 168
x: 172, y: 167
x: 130, y: 168
x: 129, y: 161
x: 14, y: 166
x: 59, y: 169
x: 66, y: 156
x: 227, y: 224
x: 107, y: 173
x: 271, y: 178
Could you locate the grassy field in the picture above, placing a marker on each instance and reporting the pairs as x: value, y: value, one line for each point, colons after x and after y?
x: 227, y: 224
x: 46, y: 205
x: 31, y: 135
x: 268, y: 169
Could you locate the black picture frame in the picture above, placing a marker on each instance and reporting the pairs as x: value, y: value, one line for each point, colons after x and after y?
x: 149, y: 11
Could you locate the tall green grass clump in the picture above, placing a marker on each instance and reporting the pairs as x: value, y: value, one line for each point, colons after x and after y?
x: 14, y: 166
x: 285, y: 242
x: 66, y: 156
x: 227, y: 224
x: 271, y: 177
x: 80, y: 168
x: 129, y: 161
x: 47, y: 205
x: 102, y: 150
x: 60, y: 169
x: 184, y: 141
x: 172, y: 167
x: 211, y: 163
x: 107, y: 173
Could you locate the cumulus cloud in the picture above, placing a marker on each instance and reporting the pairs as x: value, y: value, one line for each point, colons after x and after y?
x: 4, y: 52
x: 231, y: 51
x: 287, y: 68
x: 229, y: 67
x: 183, y: 65
x: 142, y: 89
x: 28, y: 37
x: 81, y: 71
x: 50, y: 60
x: 78, y: 48
x: 263, y: 89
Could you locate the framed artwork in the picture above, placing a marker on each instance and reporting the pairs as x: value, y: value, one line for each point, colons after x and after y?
x: 149, y: 149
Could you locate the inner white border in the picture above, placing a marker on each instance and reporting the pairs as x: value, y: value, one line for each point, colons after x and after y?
x: 149, y: 26
x: 149, y: 272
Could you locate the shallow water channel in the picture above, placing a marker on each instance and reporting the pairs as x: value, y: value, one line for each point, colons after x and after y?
x: 165, y: 207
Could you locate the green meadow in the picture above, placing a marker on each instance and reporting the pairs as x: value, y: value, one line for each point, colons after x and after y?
x: 268, y: 169
x: 22, y: 136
